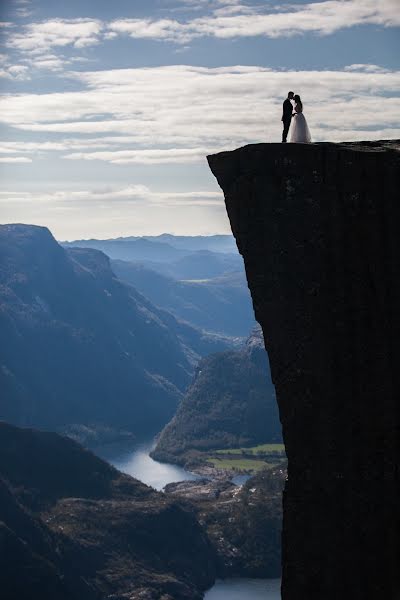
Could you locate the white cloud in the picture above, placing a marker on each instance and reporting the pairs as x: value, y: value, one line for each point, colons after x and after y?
x: 15, y: 159
x: 16, y: 72
x: 162, y: 29
x: 19, y: 71
x: 366, y: 68
x: 51, y: 62
x: 36, y: 38
x: 146, y: 157
x: 131, y: 193
x: 235, y: 20
x: 112, y: 211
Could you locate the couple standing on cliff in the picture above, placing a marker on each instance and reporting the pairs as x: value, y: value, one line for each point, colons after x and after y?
x: 293, y: 108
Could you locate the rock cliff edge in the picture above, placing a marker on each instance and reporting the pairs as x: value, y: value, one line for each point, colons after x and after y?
x: 318, y: 228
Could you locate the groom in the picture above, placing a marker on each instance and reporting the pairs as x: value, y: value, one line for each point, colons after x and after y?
x: 287, y: 115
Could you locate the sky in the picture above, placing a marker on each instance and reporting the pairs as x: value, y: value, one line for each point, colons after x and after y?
x: 109, y: 108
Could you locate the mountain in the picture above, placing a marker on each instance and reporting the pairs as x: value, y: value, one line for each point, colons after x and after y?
x: 140, y: 249
x: 79, y: 346
x: 221, y: 304
x: 230, y: 403
x: 214, y: 243
x: 72, y: 527
x: 200, y: 265
x: 189, y: 243
x: 176, y: 257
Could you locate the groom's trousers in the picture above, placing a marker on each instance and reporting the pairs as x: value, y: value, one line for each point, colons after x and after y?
x: 286, y: 125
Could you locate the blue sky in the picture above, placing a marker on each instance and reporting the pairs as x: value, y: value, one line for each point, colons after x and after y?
x: 108, y: 109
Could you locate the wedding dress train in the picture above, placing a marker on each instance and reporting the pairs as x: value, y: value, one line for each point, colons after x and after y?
x: 300, y: 133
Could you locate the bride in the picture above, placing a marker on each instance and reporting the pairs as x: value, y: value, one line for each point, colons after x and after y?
x: 300, y: 131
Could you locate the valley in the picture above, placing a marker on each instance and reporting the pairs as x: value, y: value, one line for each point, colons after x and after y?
x: 110, y: 352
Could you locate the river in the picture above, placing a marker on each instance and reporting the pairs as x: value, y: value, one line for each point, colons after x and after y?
x: 137, y: 462
x: 245, y: 589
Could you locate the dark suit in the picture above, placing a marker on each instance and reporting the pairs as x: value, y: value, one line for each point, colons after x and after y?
x: 286, y: 118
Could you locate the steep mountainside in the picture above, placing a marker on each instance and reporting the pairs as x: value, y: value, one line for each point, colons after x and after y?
x: 72, y: 527
x: 230, y: 403
x: 222, y: 305
x: 317, y: 225
x: 78, y: 346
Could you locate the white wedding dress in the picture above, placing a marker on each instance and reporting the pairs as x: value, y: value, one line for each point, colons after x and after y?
x: 300, y: 134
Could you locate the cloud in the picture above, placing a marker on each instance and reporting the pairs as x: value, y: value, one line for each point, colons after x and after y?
x: 130, y: 193
x: 146, y: 157
x: 232, y: 20
x: 36, y: 38
x: 113, y: 211
x: 51, y: 62
x: 366, y: 68
x: 16, y: 72
x: 162, y: 29
x: 181, y: 113
x: 15, y: 159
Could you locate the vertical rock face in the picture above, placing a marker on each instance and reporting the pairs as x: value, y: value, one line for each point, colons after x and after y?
x: 318, y: 227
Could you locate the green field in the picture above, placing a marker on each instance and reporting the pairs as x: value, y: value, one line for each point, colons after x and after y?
x: 262, y: 449
x: 240, y: 464
x: 247, y: 460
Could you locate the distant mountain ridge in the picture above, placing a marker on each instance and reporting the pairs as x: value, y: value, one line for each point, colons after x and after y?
x: 179, y: 257
x: 79, y: 346
x: 213, y: 243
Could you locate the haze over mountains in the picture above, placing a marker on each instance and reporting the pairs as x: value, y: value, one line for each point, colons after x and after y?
x: 178, y: 257
x: 80, y: 346
x: 198, y: 279
x: 87, y: 353
x: 219, y: 304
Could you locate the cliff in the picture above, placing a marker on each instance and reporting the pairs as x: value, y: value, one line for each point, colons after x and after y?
x: 317, y: 226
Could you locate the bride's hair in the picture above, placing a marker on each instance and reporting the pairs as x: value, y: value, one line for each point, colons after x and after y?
x: 297, y: 99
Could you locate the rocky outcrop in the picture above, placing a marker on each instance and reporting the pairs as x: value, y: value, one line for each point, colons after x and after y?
x: 72, y: 527
x: 317, y: 226
x: 243, y: 523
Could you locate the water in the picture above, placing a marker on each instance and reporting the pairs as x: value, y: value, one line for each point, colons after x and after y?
x: 139, y: 464
x: 240, y: 479
x: 245, y: 589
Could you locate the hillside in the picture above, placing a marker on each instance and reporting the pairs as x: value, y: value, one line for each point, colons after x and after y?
x: 73, y: 527
x: 78, y: 346
x: 230, y: 403
x: 221, y: 304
